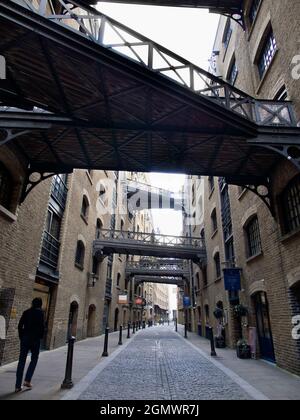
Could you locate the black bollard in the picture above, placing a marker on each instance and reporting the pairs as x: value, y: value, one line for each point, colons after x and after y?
x: 176, y: 325
x: 105, y: 350
x: 128, y: 332
x: 133, y: 328
x: 121, y: 336
x: 185, y: 331
x: 212, y: 343
x: 67, y: 383
x: 144, y: 325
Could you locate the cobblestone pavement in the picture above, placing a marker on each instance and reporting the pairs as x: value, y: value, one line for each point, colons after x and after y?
x: 160, y: 365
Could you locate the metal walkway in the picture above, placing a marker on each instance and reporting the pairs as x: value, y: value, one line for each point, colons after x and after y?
x: 148, y: 244
x: 158, y: 268
x: 143, y: 196
x: 116, y: 100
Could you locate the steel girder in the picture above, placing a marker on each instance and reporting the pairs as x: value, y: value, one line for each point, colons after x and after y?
x: 123, y: 113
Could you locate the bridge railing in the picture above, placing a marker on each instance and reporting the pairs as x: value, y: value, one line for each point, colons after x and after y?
x: 158, y: 265
x: 107, y: 32
x: 152, y: 239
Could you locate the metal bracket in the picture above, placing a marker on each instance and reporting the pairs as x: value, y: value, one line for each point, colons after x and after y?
x: 31, y: 183
x: 265, y: 196
x: 290, y: 152
x: 7, y: 135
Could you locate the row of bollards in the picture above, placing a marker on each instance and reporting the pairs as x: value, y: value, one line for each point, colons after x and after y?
x: 68, y: 383
x: 138, y: 325
x: 211, y: 337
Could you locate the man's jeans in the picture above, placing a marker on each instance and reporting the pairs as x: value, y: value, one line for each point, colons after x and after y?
x: 26, y: 346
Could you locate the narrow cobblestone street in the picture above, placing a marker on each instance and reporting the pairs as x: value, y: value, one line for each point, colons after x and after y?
x: 160, y: 365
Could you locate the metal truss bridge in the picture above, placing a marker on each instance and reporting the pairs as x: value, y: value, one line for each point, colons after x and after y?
x: 173, y: 281
x: 85, y: 91
x: 150, y: 245
x: 143, y: 196
x: 158, y: 267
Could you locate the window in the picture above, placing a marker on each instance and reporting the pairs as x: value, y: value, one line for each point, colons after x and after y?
x: 254, y: 10
x: 59, y: 189
x: 227, y: 34
x: 50, y: 244
x: 53, y: 224
x: 217, y: 265
x: 267, y: 54
x: 214, y: 221
x: 6, y: 185
x: 211, y: 183
x: 85, y: 208
x: 118, y: 279
x: 282, y: 94
x: 233, y: 73
x: 290, y: 202
x: 99, y: 226
x: 198, y: 281
x: 80, y: 252
x: 253, y: 238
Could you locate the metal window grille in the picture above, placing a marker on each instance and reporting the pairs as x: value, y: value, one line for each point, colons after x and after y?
x: 253, y: 236
x: 267, y: 54
x: 291, y: 205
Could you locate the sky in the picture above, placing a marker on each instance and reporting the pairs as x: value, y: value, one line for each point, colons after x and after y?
x: 189, y: 33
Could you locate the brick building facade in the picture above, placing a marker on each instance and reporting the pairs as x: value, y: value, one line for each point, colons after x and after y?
x: 238, y: 227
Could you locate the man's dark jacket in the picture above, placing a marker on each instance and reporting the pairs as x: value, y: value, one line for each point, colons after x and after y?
x: 31, y: 325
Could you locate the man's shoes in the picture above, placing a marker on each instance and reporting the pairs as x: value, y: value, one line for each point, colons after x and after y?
x: 27, y: 385
x: 18, y: 390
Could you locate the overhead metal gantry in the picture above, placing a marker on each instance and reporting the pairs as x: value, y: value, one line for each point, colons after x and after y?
x: 173, y: 281
x: 116, y: 100
x: 142, y: 196
x: 149, y: 244
x: 158, y: 268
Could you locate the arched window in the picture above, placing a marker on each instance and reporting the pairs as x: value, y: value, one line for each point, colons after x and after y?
x: 118, y: 279
x: 214, y: 221
x: 198, y: 281
x: 290, y: 203
x: 253, y: 241
x: 6, y: 185
x: 99, y: 226
x: 217, y: 265
x: 85, y: 208
x: 80, y: 253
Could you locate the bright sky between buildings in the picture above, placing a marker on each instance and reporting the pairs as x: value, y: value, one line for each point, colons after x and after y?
x: 187, y: 32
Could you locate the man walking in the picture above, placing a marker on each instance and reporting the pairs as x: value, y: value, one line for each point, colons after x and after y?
x: 31, y: 331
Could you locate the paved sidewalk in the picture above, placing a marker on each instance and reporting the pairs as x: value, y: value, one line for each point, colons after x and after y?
x: 272, y: 381
x: 156, y: 364
x: 51, y: 369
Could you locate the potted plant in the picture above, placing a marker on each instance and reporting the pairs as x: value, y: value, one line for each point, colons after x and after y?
x: 243, y: 349
x: 220, y: 342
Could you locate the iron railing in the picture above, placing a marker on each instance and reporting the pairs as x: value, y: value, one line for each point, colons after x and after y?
x: 167, y: 268
x: 152, y: 239
x: 107, y: 32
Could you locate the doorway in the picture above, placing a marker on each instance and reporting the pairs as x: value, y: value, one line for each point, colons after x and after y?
x: 264, y: 331
x: 73, y: 316
x: 116, y: 322
x: 105, y: 315
x: 44, y: 292
x: 91, y: 321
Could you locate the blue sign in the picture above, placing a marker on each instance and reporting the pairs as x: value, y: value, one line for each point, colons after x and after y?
x: 186, y: 301
x: 232, y: 279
